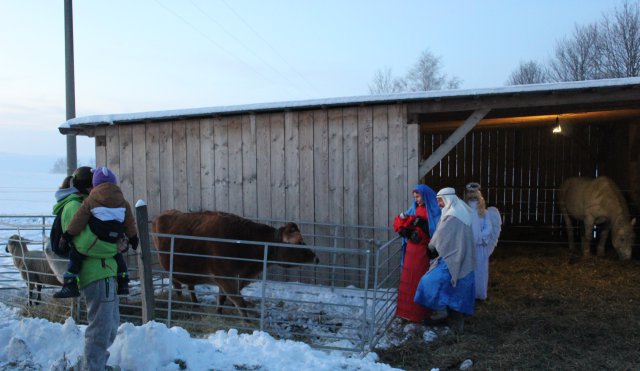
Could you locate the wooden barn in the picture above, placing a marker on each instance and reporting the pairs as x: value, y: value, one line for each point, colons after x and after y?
x: 354, y: 161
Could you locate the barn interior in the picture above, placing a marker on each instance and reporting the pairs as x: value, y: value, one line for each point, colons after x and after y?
x: 526, y: 146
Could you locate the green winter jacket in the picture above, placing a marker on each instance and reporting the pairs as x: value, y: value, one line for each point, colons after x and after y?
x: 99, y: 262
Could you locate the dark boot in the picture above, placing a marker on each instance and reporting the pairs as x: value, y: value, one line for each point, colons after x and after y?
x: 437, y: 318
x: 456, y: 321
x: 123, y: 284
x: 69, y: 288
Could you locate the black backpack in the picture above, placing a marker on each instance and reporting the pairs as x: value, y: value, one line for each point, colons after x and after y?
x: 54, y: 236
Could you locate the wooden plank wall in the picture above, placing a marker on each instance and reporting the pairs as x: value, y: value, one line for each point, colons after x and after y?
x: 345, y: 166
x: 520, y: 169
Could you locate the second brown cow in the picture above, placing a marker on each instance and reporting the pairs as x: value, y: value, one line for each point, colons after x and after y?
x: 218, y: 262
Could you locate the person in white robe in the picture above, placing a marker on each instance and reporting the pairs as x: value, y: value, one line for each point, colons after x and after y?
x: 485, y: 224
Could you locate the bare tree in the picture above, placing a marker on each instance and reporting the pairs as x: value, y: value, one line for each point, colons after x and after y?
x: 426, y: 74
x: 620, y: 32
x: 59, y: 166
x: 384, y: 83
x: 578, y: 58
x: 530, y: 72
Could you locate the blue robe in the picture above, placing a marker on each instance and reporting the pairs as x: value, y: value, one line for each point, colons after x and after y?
x: 433, y: 211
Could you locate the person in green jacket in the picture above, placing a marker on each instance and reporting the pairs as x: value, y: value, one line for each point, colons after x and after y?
x: 97, y: 277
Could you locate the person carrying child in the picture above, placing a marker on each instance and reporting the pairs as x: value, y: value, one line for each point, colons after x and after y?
x: 110, y: 219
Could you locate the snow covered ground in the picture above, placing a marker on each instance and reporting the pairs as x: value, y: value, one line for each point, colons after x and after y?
x: 37, y: 344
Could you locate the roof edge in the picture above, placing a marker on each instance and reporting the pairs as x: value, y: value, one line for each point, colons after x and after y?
x: 75, y: 125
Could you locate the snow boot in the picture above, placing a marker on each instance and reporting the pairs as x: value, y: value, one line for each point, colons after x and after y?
x: 456, y: 322
x: 123, y: 284
x: 438, y: 318
x: 69, y: 287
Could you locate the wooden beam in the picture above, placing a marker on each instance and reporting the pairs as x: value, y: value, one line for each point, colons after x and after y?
x: 600, y: 98
x: 449, y: 143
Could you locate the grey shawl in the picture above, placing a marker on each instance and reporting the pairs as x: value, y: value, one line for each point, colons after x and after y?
x: 454, y: 242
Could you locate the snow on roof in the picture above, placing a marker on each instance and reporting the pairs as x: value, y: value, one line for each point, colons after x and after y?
x: 344, y: 101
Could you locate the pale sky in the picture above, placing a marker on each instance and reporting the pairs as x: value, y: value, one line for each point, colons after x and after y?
x: 154, y: 55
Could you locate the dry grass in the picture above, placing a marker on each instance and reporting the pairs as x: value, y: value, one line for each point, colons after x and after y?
x: 544, y: 312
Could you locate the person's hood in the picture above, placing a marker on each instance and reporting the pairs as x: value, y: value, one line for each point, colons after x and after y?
x: 64, y: 192
x: 64, y: 201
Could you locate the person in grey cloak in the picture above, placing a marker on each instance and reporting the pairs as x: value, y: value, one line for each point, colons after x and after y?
x: 450, y: 282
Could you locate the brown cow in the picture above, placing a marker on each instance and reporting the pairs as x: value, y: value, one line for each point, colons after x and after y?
x: 222, y: 272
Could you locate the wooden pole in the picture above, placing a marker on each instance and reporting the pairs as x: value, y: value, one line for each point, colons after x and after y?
x: 451, y: 141
x: 144, y: 263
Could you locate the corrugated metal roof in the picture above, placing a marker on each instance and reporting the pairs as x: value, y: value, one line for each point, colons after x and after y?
x: 440, y: 95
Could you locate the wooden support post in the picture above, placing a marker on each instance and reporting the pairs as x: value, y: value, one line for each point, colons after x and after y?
x: 452, y: 141
x: 144, y: 262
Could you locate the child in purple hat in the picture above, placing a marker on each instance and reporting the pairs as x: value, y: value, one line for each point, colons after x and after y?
x: 110, y: 219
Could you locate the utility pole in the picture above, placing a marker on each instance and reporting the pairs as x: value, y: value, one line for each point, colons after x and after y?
x: 72, y: 155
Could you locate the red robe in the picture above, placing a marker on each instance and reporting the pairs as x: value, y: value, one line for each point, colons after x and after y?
x: 415, y: 265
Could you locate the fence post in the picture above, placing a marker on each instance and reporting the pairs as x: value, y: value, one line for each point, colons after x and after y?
x: 144, y: 262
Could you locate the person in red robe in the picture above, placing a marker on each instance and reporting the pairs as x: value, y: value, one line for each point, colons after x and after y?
x: 416, y: 225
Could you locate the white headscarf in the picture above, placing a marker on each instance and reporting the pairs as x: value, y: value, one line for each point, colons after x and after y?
x: 453, y: 206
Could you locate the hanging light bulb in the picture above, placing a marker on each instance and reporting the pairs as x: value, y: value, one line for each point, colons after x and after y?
x: 558, y: 128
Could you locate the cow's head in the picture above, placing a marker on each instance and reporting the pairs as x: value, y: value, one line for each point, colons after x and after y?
x: 290, y: 234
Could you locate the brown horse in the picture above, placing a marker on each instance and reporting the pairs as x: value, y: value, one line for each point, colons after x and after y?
x: 597, y: 202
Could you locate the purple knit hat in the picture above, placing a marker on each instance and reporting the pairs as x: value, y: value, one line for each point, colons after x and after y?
x: 103, y: 175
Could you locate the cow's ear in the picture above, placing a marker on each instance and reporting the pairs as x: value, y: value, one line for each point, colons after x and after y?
x: 292, y: 227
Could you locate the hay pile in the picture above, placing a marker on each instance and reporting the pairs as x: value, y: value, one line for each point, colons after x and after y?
x: 544, y: 312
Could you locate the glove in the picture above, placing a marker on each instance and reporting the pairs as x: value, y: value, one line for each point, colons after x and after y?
x: 134, y: 241
x: 65, y: 242
x: 432, y: 253
x: 415, y: 237
x: 404, y: 232
x: 422, y: 224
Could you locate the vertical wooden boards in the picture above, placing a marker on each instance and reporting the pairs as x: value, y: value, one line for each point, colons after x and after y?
x: 139, y: 153
x: 235, y: 165
x: 381, y: 170
x: 249, y: 163
x: 336, y: 166
x: 194, y: 192
x: 207, y: 165
x: 336, y: 185
x: 413, y: 154
x: 366, y: 205
x: 292, y: 180
x: 292, y: 166
x: 101, y: 146
x: 365, y: 168
x: 113, y: 150
x: 263, y: 153
x: 180, y: 165
x: 125, y: 174
x: 321, y: 165
x: 221, y: 163
x: 397, y: 161
x: 307, y: 190
x: 277, y: 165
x: 350, y: 181
x: 321, y: 185
x: 152, y: 157
x: 166, y: 165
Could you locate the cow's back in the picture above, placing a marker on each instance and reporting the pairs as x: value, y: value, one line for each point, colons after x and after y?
x: 212, y: 224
